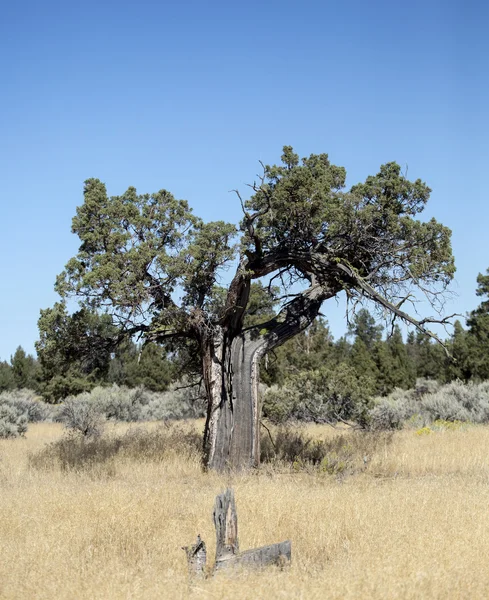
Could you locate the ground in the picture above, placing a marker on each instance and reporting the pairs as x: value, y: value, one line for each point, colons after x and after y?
x: 413, y: 524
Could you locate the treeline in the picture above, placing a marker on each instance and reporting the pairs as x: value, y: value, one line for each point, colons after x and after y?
x: 77, y: 353
x: 130, y: 365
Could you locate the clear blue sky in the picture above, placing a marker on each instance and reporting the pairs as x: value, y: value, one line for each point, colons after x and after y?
x: 189, y: 95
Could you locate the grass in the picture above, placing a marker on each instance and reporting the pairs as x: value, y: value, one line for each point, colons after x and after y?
x: 412, y: 524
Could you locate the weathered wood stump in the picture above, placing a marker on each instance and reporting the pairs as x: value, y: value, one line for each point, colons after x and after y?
x: 196, y: 558
x: 227, y: 545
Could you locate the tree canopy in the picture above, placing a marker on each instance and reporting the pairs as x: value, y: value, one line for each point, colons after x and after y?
x: 139, y: 253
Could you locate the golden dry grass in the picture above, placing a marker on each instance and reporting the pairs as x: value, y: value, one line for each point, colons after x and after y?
x: 413, y: 525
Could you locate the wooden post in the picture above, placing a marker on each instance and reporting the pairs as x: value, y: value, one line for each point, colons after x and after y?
x: 227, y: 545
x: 226, y: 524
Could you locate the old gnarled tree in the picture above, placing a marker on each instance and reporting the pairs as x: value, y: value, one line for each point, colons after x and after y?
x: 154, y: 267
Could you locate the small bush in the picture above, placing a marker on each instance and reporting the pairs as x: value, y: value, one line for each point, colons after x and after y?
x: 425, y: 386
x: 81, y: 415
x: 17, y: 409
x: 387, y: 414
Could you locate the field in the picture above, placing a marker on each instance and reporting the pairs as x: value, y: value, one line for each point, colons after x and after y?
x: 414, y: 523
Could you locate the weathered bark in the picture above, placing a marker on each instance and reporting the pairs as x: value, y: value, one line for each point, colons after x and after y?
x: 226, y: 523
x: 231, y: 375
x: 227, y: 544
x: 196, y: 558
x: 273, y: 554
x: 228, y: 555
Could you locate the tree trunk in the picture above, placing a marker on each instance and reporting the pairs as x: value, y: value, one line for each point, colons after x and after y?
x: 232, y: 438
x: 231, y: 376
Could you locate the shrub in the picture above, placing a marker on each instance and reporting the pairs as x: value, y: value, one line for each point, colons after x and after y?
x: 120, y: 403
x: 12, y: 422
x: 26, y: 401
x: 321, y: 396
x: 430, y: 402
x: 181, y: 401
x: 343, y: 454
x: 425, y: 386
x: 387, y: 414
x: 17, y: 409
x: 81, y: 415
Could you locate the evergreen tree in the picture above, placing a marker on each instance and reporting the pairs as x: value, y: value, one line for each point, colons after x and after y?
x: 365, y: 328
x: 362, y: 360
x: 460, y: 349
x: 74, y: 350
x: 7, y: 381
x: 478, y: 332
x: 311, y: 349
x: 24, y: 369
x: 429, y: 358
x: 148, y: 366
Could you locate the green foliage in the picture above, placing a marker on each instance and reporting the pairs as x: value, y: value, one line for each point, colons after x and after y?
x: 394, y: 364
x: 24, y: 369
x: 138, y: 251
x: 365, y: 328
x: 371, y: 228
x: 148, y: 366
x: 310, y: 350
x: 155, y: 242
x: 429, y: 358
x: 325, y: 395
x: 7, y: 381
x: 74, y: 350
x: 478, y: 332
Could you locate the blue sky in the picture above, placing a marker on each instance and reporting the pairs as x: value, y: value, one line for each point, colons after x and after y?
x: 188, y: 96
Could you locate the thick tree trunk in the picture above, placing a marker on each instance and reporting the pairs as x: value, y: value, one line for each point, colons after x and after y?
x: 231, y: 376
x: 232, y: 429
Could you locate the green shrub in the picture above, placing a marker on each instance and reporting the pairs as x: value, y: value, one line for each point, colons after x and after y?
x: 321, y: 396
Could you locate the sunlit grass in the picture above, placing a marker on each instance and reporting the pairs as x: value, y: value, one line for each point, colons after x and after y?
x: 413, y: 524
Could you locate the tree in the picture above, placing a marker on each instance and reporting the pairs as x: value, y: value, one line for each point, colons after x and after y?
x: 148, y: 365
x: 365, y: 328
x: 460, y: 348
x: 478, y: 332
x: 24, y: 369
x: 6, y: 377
x: 151, y: 264
x: 74, y: 350
x: 428, y: 358
x: 396, y: 368
x: 309, y: 350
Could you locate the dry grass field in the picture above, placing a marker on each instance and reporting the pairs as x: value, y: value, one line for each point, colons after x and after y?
x: 413, y: 524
